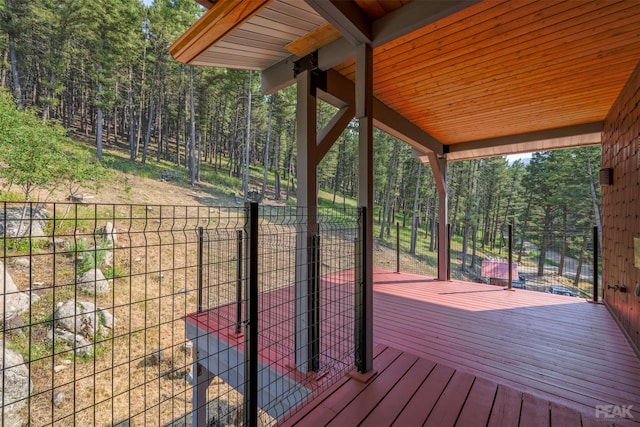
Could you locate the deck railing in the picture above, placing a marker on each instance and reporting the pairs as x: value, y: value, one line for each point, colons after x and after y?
x: 101, y: 307
x: 551, y: 259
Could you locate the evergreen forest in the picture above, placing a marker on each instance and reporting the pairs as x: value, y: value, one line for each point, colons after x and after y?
x: 100, y: 70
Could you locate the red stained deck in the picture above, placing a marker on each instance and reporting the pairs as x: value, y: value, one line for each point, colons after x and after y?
x: 466, y: 354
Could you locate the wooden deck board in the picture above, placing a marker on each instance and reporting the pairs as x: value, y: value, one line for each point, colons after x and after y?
x: 364, y: 403
x: 487, y: 357
x: 506, y: 408
x: 446, y: 410
x: 422, y: 402
x: 386, y: 410
x: 556, y: 347
x: 534, y: 412
x: 477, y: 408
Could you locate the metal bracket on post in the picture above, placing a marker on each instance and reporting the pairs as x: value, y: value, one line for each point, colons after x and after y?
x: 251, y: 317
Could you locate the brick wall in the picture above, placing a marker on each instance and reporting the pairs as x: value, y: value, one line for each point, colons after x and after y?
x: 621, y: 205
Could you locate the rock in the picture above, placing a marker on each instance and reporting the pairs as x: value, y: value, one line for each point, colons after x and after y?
x: 182, y: 291
x: 21, y: 222
x: 79, y: 344
x: 155, y: 358
x: 93, y: 282
x: 21, y: 262
x: 12, y: 301
x: 56, y: 241
x: 58, y: 399
x: 14, y: 325
x: 59, y: 368
x: 76, y: 324
x: 15, y: 385
x: 110, y: 235
x: 78, y: 317
x: 138, y: 259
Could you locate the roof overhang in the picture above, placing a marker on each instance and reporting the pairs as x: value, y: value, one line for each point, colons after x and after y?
x: 455, y: 79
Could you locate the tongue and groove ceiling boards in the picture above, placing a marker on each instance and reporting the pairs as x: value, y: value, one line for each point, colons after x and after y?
x: 482, y: 78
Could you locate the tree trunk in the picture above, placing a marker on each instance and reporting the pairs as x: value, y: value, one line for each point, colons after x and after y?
x: 393, y: 166
x: 266, y: 147
x: 576, y: 279
x: 17, y: 89
x: 467, y: 223
x: 192, y: 126
x: 414, y: 219
x: 563, y: 247
x: 247, y: 147
x: 594, y: 202
x: 3, y: 70
x: 147, y: 137
x: 132, y: 127
x: 99, y: 117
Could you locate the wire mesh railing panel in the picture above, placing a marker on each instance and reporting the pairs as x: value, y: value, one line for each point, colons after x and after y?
x: 94, y: 300
x: 553, y: 260
x: 306, y: 285
x: 407, y: 249
x: 556, y: 260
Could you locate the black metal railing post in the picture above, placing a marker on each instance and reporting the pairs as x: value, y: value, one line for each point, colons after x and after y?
x: 251, y: 317
x: 510, y: 246
x: 200, y: 266
x: 449, y: 251
x: 595, y: 264
x: 397, y: 247
x: 314, y: 305
x: 239, y: 255
x: 361, y: 293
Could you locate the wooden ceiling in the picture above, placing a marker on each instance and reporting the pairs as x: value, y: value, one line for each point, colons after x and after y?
x: 493, y: 69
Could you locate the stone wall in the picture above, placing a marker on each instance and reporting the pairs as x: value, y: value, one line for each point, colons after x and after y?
x: 621, y: 205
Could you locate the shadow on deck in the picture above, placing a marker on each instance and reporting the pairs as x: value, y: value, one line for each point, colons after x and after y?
x: 459, y: 353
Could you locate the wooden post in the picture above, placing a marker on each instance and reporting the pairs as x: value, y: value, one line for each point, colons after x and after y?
x: 364, y: 114
x: 307, y: 196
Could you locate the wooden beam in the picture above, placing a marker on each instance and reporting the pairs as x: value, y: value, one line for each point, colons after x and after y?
x: 414, y: 16
x: 443, y: 218
x: 398, y: 23
x: 223, y: 18
x: 208, y: 4
x: 439, y: 170
x: 385, y: 118
x: 314, y: 40
x: 347, y: 17
x: 333, y: 130
x: 558, y: 133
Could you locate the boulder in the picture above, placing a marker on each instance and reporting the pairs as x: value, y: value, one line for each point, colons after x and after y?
x: 80, y: 345
x: 77, y: 323
x: 93, y: 282
x: 23, y: 221
x: 12, y: 301
x: 15, y: 386
x: 110, y: 235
